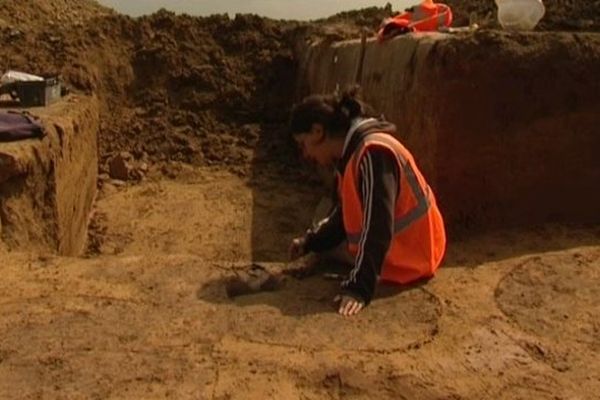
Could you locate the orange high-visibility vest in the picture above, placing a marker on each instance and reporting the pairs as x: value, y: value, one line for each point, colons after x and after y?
x: 419, y: 240
x: 427, y: 17
x: 422, y: 18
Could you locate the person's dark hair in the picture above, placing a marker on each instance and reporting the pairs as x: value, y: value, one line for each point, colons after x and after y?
x: 335, y: 112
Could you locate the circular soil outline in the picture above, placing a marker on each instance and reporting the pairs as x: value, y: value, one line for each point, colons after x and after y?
x: 554, y: 298
x: 302, y: 315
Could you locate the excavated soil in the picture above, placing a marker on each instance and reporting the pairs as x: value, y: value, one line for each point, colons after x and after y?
x: 491, y: 325
x: 198, y: 180
x: 538, y: 299
x: 207, y: 91
x: 510, y: 315
x: 210, y: 213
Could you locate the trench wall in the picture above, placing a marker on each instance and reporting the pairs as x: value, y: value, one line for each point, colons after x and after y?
x: 47, y: 186
x: 505, y: 126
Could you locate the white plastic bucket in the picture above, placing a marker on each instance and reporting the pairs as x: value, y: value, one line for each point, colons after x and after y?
x: 520, y: 14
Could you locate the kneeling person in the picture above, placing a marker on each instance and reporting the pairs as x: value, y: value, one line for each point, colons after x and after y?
x: 385, y: 209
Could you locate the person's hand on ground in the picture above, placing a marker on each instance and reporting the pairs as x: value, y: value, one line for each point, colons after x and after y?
x: 297, y: 248
x: 348, y: 305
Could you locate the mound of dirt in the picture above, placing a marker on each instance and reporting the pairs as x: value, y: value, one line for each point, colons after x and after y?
x: 205, y: 91
x: 34, y: 14
x: 560, y: 14
x: 197, y: 90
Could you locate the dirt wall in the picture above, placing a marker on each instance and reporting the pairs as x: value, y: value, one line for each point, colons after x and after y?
x: 47, y: 186
x: 503, y: 125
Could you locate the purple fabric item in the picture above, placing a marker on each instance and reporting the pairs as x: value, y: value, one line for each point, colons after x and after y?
x: 15, y: 126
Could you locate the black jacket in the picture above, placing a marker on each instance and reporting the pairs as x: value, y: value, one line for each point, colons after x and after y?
x: 379, y: 184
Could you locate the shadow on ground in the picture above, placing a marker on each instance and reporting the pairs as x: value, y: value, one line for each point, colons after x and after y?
x: 285, y: 291
x: 301, y: 314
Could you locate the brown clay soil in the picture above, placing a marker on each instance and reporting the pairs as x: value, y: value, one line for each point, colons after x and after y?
x: 199, y: 90
x: 511, y: 315
x: 198, y: 106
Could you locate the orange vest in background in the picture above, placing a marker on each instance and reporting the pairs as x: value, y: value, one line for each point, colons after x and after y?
x: 422, y: 18
x: 427, y: 18
x: 419, y: 240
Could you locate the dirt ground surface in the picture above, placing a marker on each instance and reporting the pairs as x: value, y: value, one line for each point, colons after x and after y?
x: 206, y: 212
x: 511, y: 315
x: 199, y: 181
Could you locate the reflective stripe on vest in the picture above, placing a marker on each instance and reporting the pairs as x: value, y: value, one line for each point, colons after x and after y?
x: 443, y: 12
x: 423, y: 199
x: 422, y: 15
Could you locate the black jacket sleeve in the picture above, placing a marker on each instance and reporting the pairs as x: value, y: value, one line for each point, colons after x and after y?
x: 328, y: 233
x: 380, y: 185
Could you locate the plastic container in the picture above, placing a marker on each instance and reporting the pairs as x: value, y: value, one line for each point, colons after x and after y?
x: 34, y: 93
x: 520, y: 14
x: 18, y: 76
x: 38, y: 93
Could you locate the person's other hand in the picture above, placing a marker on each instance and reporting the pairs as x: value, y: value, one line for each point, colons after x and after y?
x: 349, y: 305
x: 297, y: 248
